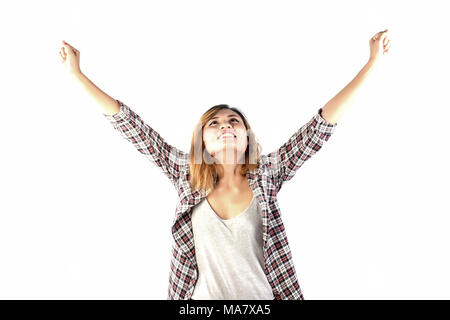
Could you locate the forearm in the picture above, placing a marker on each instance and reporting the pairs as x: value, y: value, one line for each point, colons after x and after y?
x: 337, y: 106
x: 108, y: 104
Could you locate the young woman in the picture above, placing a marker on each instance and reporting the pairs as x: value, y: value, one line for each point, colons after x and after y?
x: 229, y: 238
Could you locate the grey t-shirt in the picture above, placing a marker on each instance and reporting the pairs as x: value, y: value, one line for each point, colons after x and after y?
x: 229, y: 255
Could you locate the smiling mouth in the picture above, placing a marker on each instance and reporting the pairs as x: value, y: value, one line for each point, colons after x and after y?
x: 227, y: 135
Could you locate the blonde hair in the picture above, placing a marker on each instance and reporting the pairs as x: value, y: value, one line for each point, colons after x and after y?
x: 202, y: 175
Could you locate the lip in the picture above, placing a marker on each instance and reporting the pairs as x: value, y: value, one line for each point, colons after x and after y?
x: 227, y: 136
x: 227, y: 133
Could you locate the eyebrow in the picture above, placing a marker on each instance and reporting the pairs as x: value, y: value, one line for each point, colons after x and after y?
x: 232, y: 115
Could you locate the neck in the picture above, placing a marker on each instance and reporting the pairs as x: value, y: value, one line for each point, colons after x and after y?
x: 230, y: 177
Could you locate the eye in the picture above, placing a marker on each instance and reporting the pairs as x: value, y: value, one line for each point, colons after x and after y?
x: 231, y: 119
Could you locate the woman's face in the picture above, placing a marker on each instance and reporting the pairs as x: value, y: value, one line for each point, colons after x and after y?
x: 225, y: 137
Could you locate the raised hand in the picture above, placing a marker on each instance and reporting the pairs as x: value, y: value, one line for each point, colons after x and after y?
x: 379, y: 45
x: 70, y: 57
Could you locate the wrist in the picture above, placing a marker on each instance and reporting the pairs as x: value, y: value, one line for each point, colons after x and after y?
x: 373, y: 61
x: 77, y: 74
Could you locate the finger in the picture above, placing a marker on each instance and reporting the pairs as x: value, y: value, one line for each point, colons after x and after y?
x: 387, y: 42
x: 61, y: 55
x: 74, y: 50
x: 69, y: 48
x: 379, y: 34
x: 67, y: 44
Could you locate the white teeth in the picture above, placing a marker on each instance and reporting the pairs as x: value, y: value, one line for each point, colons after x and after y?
x: 228, y: 135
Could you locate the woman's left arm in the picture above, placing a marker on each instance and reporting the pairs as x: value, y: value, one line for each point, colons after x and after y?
x: 337, y: 106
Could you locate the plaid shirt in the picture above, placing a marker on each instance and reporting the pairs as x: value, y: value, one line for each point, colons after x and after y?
x: 275, y: 168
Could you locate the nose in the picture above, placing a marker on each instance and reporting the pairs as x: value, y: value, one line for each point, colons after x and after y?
x: 227, y: 124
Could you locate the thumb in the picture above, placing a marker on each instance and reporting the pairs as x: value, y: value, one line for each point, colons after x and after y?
x: 68, y: 50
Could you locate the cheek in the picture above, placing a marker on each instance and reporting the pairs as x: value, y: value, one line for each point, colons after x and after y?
x: 242, y: 138
x: 242, y: 133
x: 209, y: 136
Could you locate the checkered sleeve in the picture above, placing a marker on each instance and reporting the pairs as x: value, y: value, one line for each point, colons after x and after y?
x: 148, y: 142
x: 304, y: 143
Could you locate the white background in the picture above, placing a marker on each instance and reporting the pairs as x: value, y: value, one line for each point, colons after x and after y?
x: 84, y: 215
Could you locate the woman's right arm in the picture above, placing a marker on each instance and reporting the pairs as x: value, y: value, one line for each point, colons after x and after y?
x: 129, y: 124
x: 149, y: 142
x: 70, y: 57
x: 109, y: 105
